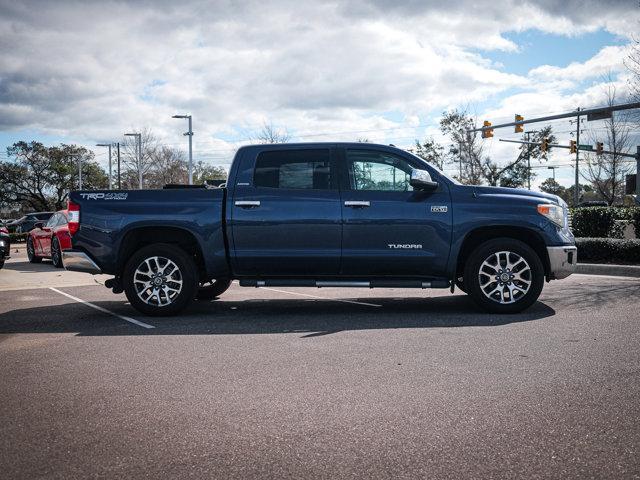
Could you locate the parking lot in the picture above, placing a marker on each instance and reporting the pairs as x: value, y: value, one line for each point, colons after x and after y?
x: 308, y: 383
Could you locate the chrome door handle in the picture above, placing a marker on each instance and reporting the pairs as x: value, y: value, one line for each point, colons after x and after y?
x: 247, y: 203
x: 357, y: 203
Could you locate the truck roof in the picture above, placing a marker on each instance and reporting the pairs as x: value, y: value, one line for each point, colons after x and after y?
x: 286, y: 146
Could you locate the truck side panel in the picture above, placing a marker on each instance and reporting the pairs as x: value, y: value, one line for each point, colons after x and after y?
x: 106, y: 219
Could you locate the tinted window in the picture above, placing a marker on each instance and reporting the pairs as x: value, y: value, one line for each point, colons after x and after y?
x: 43, y: 216
x: 370, y: 170
x: 297, y: 169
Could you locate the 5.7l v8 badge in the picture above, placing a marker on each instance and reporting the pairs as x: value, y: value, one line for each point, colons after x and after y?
x: 438, y: 208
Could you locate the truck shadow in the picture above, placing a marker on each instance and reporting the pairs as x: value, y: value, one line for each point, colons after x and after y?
x: 27, y: 267
x: 307, y: 318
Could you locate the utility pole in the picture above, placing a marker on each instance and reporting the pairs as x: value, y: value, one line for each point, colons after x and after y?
x: 110, y: 176
x: 553, y: 169
x: 190, y: 135
x: 119, y: 180
x: 576, y: 188
x: 527, y: 134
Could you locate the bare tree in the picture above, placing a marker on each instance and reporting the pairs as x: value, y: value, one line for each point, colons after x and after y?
x: 607, y: 172
x: 271, y: 134
x: 468, y: 145
x: 168, y: 166
x: 135, y: 166
x: 632, y: 62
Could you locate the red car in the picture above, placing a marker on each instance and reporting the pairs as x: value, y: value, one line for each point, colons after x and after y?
x: 48, y: 240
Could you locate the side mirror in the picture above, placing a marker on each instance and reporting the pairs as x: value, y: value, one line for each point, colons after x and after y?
x: 421, y: 180
x: 38, y: 225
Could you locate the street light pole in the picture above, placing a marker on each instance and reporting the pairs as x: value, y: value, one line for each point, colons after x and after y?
x: 119, y: 180
x: 110, y: 176
x: 139, y: 143
x: 553, y: 169
x: 190, y: 135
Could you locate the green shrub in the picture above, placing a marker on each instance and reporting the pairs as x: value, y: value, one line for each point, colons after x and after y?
x: 635, y: 218
x: 608, y: 250
x: 593, y: 222
x: 603, y: 222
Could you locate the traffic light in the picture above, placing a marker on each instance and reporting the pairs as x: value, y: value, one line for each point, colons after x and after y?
x: 599, y: 148
x: 487, y: 133
x: 573, y: 148
x: 544, y: 146
x: 519, y: 128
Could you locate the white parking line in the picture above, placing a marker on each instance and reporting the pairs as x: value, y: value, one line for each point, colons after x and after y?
x: 103, y: 310
x: 321, y: 298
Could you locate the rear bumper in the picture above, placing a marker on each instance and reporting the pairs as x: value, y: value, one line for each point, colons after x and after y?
x: 562, y: 261
x: 79, y: 262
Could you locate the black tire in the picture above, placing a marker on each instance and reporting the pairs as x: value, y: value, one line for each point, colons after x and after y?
x: 186, y: 272
x: 1, y: 264
x: 31, y: 252
x: 514, y: 302
x: 213, y: 289
x: 56, y: 253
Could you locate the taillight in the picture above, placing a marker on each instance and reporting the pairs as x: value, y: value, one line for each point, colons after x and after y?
x: 73, y: 212
x: 4, y: 230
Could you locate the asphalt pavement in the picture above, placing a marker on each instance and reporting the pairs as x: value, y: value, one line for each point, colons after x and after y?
x: 317, y: 383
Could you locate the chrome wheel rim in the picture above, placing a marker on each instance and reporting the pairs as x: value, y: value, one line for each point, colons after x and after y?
x: 158, y: 281
x: 505, y: 277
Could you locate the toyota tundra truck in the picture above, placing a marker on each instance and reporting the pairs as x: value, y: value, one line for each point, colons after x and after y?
x: 322, y: 215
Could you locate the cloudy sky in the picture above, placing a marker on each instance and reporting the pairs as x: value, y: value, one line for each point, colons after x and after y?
x: 86, y: 72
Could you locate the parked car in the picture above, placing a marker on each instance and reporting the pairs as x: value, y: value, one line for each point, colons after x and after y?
x: 323, y: 215
x: 50, y: 239
x: 5, y: 245
x: 26, y: 223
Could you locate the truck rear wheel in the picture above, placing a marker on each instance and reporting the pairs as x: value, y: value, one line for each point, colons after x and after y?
x: 213, y: 289
x: 160, y: 280
x: 504, y: 275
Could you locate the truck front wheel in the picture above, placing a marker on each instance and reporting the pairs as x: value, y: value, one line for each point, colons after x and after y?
x: 160, y: 280
x: 504, y: 275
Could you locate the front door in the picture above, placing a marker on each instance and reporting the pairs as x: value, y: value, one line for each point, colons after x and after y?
x: 390, y: 229
x: 286, y: 215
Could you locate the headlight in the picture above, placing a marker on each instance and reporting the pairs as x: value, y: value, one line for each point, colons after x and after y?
x: 555, y: 213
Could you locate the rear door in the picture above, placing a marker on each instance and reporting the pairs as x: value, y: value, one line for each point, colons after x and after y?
x: 286, y: 214
x: 390, y: 229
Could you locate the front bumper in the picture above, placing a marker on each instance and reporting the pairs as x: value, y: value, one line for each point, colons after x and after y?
x: 562, y: 261
x: 79, y: 262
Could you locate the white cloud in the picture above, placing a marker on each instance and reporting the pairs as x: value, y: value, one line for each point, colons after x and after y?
x: 92, y: 70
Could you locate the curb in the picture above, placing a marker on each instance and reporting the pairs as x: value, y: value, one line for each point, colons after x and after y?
x: 607, y: 269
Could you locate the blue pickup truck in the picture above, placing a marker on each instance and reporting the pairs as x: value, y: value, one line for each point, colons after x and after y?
x: 323, y: 215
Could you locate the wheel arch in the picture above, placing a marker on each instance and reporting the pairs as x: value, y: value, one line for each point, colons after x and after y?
x: 139, y: 237
x: 482, y: 234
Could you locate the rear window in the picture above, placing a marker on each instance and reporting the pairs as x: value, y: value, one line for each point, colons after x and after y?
x: 293, y: 169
